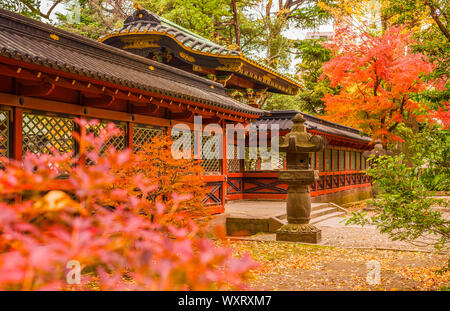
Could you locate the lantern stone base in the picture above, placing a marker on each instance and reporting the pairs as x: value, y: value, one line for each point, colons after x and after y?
x: 306, y: 233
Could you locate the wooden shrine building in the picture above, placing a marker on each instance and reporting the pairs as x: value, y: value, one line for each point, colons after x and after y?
x: 151, y: 36
x: 340, y: 166
x: 146, y: 78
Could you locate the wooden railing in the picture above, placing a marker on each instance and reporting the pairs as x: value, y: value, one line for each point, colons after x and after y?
x: 265, y: 184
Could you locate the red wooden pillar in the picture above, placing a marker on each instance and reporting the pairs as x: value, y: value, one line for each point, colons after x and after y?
x: 224, y: 164
x: 130, y: 135
x: 315, y: 167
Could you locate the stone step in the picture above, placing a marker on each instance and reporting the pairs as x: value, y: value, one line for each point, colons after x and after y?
x: 325, y: 217
x: 317, y: 206
x: 323, y: 211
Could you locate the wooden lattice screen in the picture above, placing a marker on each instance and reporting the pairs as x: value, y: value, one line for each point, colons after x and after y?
x: 233, y: 163
x: 249, y: 164
x: 119, y: 142
x: 43, y: 133
x: 143, y: 134
x: 209, y: 164
x: 4, y: 133
x: 185, y: 140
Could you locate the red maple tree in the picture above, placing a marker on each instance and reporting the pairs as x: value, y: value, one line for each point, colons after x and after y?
x: 377, y: 76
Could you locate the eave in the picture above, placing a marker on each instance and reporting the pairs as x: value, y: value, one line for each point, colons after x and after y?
x: 237, y: 64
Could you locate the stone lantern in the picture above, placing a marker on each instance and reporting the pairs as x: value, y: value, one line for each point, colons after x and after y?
x: 376, y: 152
x: 299, y: 146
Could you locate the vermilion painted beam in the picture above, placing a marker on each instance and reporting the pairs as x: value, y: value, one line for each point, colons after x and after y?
x: 147, y: 109
x: 186, y: 115
x: 98, y: 102
x: 77, y: 110
x: 18, y: 72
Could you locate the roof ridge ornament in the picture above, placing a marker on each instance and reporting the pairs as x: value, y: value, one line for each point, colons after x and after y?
x: 142, y: 15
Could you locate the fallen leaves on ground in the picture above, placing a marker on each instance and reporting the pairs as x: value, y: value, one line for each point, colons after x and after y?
x: 293, y: 266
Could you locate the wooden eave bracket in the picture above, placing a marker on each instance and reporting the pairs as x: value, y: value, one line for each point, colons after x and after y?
x: 41, y: 89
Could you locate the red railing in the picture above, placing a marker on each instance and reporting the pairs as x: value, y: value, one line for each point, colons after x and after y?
x: 265, y: 184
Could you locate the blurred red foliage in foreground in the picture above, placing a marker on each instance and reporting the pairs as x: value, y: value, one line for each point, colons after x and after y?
x: 121, y: 238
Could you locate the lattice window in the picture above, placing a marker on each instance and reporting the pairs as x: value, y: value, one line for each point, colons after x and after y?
x: 42, y: 133
x: 4, y: 133
x: 249, y: 164
x: 119, y: 142
x: 347, y: 160
x: 320, y: 161
x: 143, y: 134
x: 233, y: 164
x: 273, y: 163
x: 328, y: 160
x: 185, y: 140
x: 278, y: 164
x: 335, y: 160
x: 353, y: 160
x: 209, y: 163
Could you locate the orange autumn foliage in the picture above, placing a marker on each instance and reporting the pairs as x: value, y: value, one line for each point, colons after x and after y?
x: 171, y: 178
x: 377, y: 76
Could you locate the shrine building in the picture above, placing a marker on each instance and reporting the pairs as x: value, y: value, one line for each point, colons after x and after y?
x: 147, y: 77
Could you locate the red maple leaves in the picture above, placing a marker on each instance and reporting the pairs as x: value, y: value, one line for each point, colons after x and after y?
x: 377, y: 75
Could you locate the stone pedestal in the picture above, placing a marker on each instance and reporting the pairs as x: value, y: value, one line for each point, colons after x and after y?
x: 305, y: 233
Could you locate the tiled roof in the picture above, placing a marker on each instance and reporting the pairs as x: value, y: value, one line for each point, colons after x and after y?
x: 283, y: 119
x: 143, y: 21
x: 34, y: 42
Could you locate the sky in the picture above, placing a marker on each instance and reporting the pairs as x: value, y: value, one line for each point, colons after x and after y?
x: 46, y: 4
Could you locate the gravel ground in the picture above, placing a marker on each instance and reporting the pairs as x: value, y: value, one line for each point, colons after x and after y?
x: 336, y: 233
x: 295, y: 266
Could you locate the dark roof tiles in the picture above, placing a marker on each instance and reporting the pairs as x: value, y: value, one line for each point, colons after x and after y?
x: 24, y: 39
x: 142, y: 21
x: 283, y: 119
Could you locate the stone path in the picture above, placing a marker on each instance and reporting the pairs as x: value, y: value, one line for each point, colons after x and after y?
x: 255, y: 209
x: 334, y: 230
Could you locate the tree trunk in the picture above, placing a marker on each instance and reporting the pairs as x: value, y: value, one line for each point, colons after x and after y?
x: 436, y: 19
x: 237, y: 30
